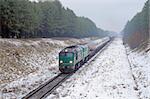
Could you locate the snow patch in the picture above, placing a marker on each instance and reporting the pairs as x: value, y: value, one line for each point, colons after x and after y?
x: 140, y: 64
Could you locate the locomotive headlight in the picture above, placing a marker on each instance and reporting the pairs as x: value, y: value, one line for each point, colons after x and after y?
x: 71, y: 62
x: 61, y: 61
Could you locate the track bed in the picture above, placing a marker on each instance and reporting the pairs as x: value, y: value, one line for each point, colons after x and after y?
x: 47, y: 88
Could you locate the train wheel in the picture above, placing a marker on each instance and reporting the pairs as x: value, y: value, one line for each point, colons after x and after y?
x: 86, y: 59
x: 76, y: 66
x: 82, y: 62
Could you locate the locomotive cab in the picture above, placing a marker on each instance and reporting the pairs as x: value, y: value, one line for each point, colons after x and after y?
x: 72, y: 58
x: 67, y: 59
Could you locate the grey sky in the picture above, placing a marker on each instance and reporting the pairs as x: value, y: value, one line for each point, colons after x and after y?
x: 107, y: 14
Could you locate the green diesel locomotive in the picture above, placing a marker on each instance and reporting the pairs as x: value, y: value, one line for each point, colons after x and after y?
x: 71, y: 58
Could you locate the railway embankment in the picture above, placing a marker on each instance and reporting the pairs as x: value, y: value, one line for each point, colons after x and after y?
x: 25, y: 64
x: 140, y: 68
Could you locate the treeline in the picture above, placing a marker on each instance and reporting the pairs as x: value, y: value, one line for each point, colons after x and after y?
x: 26, y: 19
x: 136, y: 31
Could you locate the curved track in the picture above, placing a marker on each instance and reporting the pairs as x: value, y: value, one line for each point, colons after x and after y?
x: 47, y: 88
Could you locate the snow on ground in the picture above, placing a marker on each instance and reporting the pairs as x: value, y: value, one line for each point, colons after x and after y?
x: 107, y: 77
x: 25, y: 64
x: 140, y: 64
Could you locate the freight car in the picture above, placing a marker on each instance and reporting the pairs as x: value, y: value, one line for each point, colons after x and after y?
x: 73, y: 57
x: 96, y: 45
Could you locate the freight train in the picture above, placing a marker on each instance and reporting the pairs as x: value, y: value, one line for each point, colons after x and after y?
x: 73, y: 57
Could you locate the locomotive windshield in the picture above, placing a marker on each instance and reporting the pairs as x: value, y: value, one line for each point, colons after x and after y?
x: 66, y: 54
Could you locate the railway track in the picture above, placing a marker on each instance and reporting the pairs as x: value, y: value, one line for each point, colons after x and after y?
x: 134, y: 78
x: 47, y: 88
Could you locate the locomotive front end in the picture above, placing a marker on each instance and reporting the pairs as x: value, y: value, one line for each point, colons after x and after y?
x: 66, y: 62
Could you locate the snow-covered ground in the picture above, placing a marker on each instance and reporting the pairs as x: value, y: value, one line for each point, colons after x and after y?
x: 107, y: 77
x: 140, y: 65
x: 25, y: 64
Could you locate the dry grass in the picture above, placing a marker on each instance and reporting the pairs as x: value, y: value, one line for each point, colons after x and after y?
x: 12, y: 63
x: 18, y: 57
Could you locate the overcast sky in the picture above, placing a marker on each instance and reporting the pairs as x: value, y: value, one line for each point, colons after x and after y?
x: 107, y: 14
